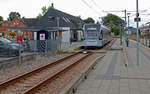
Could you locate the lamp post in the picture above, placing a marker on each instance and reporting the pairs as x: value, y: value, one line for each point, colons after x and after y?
x: 120, y: 34
x: 128, y: 23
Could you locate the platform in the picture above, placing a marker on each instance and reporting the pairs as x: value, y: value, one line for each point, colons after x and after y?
x: 111, y: 76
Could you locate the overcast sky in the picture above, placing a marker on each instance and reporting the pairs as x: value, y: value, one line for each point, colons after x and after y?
x: 83, y: 8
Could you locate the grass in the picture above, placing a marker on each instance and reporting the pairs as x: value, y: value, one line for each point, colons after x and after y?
x: 77, y: 48
x: 116, y: 36
x: 62, y: 51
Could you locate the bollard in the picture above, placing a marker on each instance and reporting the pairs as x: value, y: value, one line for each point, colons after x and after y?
x: 126, y: 64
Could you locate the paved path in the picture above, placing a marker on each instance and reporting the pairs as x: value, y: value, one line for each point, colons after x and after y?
x: 112, y: 77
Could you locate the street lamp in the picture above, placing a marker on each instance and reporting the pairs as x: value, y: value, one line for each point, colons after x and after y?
x: 128, y: 23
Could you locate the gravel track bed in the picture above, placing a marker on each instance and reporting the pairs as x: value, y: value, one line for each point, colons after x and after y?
x: 55, y: 86
x: 32, y: 80
x: 28, y: 66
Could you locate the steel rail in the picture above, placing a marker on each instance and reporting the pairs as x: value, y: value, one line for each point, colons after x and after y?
x: 19, y: 77
x: 53, y: 77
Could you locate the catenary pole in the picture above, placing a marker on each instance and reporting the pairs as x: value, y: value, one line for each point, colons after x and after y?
x: 128, y: 23
x: 137, y: 25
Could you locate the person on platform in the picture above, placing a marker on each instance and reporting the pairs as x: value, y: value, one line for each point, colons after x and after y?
x: 127, y: 41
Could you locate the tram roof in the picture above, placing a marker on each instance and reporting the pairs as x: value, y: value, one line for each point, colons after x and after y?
x: 104, y: 28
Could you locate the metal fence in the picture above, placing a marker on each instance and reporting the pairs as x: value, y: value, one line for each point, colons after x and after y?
x: 42, y: 45
x: 32, y: 50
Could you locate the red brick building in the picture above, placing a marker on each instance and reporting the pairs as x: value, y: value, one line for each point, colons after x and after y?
x: 3, y: 27
x: 12, y: 34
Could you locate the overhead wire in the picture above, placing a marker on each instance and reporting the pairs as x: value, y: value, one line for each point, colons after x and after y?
x: 96, y: 4
x: 91, y: 7
x: 99, y: 8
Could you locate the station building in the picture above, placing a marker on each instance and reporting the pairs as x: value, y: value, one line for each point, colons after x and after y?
x: 59, y: 25
x: 67, y: 25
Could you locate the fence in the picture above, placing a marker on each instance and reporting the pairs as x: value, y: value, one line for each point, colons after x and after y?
x: 32, y: 50
x: 42, y: 45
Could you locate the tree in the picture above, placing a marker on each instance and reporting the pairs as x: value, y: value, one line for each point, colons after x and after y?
x: 13, y: 15
x: 1, y: 18
x: 114, y: 22
x: 89, y: 20
x: 39, y: 16
x: 44, y: 10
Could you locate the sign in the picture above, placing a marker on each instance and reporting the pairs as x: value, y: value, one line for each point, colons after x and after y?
x: 42, y: 36
x: 137, y: 19
x: 91, y: 28
x: 65, y: 28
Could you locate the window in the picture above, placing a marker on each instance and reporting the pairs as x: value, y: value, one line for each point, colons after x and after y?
x: 15, y: 24
x: 65, y: 19
x: 51, y: 18
x: 68, y: 20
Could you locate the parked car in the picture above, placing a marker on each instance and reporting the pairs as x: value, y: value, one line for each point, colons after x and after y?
x: 9, y: 48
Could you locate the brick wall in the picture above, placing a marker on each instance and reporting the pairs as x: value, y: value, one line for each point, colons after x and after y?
x: 14, y: 22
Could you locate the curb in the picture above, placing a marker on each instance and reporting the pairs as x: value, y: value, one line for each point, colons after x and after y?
x: 72, y: 86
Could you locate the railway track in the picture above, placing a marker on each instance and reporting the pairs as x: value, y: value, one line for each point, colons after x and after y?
x: 29, y: 82
x: 109, y: 45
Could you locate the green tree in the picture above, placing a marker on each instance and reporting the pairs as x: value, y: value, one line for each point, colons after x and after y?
x: 44, y: 10
x: 1, y: 18
x: 13, y: 15
x: 89, y: 20
x: 114, y: 22
x: 39, y: 16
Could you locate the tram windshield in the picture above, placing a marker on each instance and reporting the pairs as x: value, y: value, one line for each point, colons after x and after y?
x: 91, y: 34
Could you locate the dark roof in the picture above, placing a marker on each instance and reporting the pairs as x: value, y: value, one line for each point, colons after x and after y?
x: 30, y: 22
x: 65, y: 20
